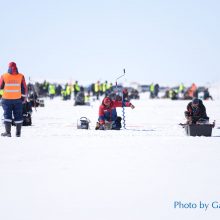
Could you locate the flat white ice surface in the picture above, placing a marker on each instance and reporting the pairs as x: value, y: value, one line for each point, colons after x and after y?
x: 56, y: 172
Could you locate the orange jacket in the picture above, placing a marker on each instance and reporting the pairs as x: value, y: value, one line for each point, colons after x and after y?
x: 12, y: 85
x: 192, y: 90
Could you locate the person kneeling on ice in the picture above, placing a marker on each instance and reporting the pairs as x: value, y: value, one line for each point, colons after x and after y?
x: 108, y: 119
x: 196, y: 112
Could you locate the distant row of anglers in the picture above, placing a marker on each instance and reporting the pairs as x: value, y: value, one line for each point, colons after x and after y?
x: 181, y: 92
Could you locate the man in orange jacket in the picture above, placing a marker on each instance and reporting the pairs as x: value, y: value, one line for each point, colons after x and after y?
x: 14, y: 88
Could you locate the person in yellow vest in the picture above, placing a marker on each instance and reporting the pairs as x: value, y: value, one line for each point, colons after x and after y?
x: 68, y: 91
x: 63, y: 93
x: 76, y: 88
x: 14, y: 88
x: 52, y: 91
x: 151, y: 90
x: 105, y: 88
x: 181, y: 88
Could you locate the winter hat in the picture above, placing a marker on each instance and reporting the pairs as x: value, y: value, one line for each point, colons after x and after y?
x: 106, y: 101
x: 195, y: 101
x: 12, y: 68
x: 12, y: 64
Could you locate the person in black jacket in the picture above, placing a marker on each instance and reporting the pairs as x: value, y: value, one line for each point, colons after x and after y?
x: 196, y: 112
x: 207, y: 95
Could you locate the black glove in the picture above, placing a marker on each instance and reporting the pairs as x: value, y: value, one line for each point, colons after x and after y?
x: 187, y: 114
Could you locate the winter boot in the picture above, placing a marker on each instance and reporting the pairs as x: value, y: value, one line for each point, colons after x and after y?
x: 97, y: 126
x: 7, y: 132
x: 18, y: 129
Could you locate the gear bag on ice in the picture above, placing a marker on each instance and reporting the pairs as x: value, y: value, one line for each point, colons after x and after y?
x: 83, y: 123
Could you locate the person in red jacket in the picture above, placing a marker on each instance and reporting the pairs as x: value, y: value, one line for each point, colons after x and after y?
x: 14, y: 88
x: 108, y: 119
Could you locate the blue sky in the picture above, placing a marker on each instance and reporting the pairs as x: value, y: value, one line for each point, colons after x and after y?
x: 163, y: 41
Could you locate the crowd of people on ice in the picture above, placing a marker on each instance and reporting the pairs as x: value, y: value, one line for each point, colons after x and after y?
x: 180, y: 92
x: 18, y: 99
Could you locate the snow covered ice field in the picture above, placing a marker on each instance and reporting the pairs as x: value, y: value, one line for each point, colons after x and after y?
x: 55, y: 171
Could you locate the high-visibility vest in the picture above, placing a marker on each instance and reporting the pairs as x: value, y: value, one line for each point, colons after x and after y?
x: 12, y: 87
x: 76, y: 87
x: 52, y: 90
x: 152, y: 87
x: 109, y: 86
x: 96, y: 87
x: 68, y: 90
x: 104, y: 87
x: 181, y: 87
x: 63, y: 92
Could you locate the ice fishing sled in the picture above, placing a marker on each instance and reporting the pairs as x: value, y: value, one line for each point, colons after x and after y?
x: 198, y: 129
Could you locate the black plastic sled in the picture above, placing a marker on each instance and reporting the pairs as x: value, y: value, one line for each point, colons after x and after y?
x: 198, y: 129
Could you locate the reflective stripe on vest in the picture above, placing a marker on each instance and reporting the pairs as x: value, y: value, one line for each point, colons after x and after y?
x: 12, y: 87
x: 11, y: 84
